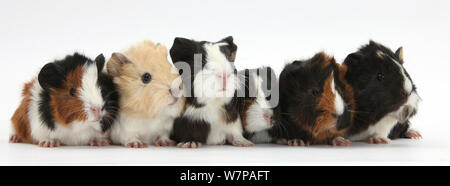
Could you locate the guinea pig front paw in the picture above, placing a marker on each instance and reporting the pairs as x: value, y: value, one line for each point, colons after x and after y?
x: 164, y: 142
x: 192, y: 145
x: 242, y: 143
x: 379, y: 140
x: 413, y: 134
x: 222, y: 142
x: 99, y: 142
x: 136, y: 144
x: 340, y: 141
x: 297, y: 142
x: 49, y: 143
x: 14, y: 139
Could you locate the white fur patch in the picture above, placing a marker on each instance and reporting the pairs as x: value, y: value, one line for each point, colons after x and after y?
x: 129, y: 129
x: 90, y: 92
x: 255, y: 113
x: 338, y: 101
x: 207, y: 85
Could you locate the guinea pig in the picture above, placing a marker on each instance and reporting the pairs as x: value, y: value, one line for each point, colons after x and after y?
x: 312, y: 107
x: 71, y: 102
x: 150, y: 92
x: 210, y: 80
x: 257, y: 98
x: 384, y: 94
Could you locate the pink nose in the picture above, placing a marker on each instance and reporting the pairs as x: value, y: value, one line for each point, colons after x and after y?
x: 223, y: 77
x: 268, y: 118
x: 175, y: 92
x: 97, y: 112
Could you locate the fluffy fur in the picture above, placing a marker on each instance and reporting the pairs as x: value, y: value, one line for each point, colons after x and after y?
x: 311, y: 109
x: 147, y: 108
x: 384, y: 94
x: 211, y: 113
x: 70, y: 103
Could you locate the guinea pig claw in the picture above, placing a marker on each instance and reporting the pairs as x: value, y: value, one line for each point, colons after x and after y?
x: 378, y: 140
x: 413, y: 134
x: 14, y: 139
x: 137, y: 144
x: 49, y: 143
x: 164, y: 143
x: 189, y: 145
x: 340, y: 141
x: 297, y: 142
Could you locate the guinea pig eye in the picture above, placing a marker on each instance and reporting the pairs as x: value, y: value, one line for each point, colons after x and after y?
x: 146, y: 78
x: 180, y: 71
x: 315, y: 92
x: 73, y: 92
x: 380, y: 76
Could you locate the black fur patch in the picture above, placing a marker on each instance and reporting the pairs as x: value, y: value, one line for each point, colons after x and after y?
x: 111, y: 97
x: 190, y: 130
x: 45, y: 111
x: 399, y: 130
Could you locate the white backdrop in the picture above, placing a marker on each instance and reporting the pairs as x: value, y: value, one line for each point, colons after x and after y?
x: 269, y: 33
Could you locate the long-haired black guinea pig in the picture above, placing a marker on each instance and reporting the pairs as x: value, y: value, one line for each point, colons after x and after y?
x: 384, y: 94
x: 70, y: 103
x: 312, y: 109
x: 258, y: 96
x: 210, y: 81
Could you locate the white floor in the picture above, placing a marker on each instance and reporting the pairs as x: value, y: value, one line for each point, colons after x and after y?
x: 267, y: 32
x: 429, y: 151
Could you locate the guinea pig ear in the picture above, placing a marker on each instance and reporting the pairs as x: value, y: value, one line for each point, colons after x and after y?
x: 115, y: 64
x: 232, y: 47
x: 51, y: 76
x: 399, y: 54
x: 100, y: 61
x: 182, y: 49
x: 353, y: 57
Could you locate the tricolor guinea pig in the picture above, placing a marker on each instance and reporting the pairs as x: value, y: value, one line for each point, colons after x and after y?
x: 70, y: 103
x: 150, y: 91
x: 384, y: 94
x: 257, y: 97
x: 210, y: 81
x: 312, y: 107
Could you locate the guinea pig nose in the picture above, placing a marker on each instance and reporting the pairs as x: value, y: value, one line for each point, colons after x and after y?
x: 268, y: 118
x: 175, y: 92
x: 96, y: 111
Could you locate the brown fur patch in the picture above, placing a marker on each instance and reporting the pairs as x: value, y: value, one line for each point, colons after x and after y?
x: 20, y: 121
x: 66, y: 108
x: 138, y: 99
x: 348, y: 91
x: 326, y: 103
x: 243, y: 113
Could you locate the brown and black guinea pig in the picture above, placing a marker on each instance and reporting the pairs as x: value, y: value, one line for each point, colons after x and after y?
x: 312, y: 107
x: 71, y: 102
x: 384, y: 93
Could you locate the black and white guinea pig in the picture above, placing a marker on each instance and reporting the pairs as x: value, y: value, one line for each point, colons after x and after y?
x: 70, y: 103
x: 258, y: 97
x: 384, y: 94
x: 312, y: 109
x: 210, y: 81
